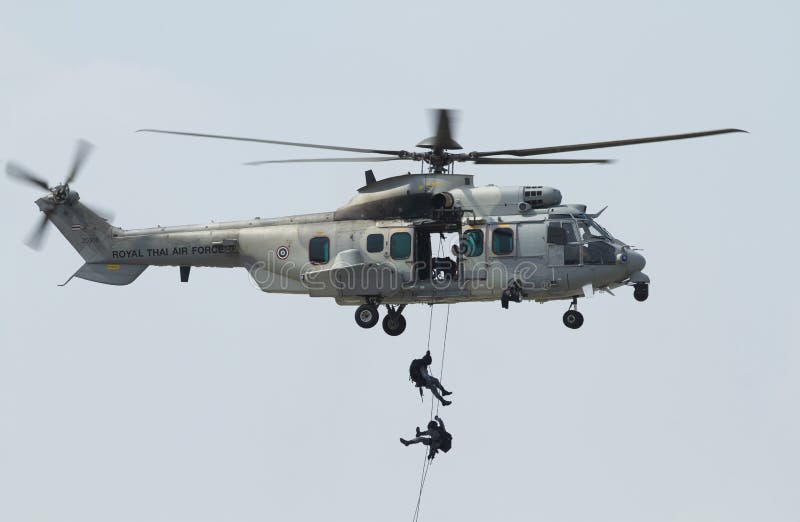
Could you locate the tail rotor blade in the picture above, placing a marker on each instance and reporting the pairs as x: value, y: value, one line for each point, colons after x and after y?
x: 34, y: 241
x: 82, y: 150
x: 21, y: 173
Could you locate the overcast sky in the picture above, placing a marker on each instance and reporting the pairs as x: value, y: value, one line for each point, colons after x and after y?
x: 214, y: 401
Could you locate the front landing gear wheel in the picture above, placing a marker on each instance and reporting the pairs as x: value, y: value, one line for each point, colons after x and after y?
x: 367, y: 315
x: 573, y: 319
x: 394, y: 324
x: 641, y: 291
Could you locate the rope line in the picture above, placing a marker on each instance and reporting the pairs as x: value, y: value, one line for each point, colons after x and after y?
x: 444, y: 349
x: 426, y: 464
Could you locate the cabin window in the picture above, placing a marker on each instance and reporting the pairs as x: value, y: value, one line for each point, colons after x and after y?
x: 319, y: 250
x: 502, y: 241
x: 472, y: 243
x: 400, y: 245
x: 375, y: 243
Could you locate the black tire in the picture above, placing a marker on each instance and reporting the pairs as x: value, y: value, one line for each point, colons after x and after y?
x: 394, y: 325
x: 367, y: 316
x: 641, y: 291
x: 573, y: 319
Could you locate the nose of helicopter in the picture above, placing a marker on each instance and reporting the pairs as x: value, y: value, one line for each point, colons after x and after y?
x: 636, y: 262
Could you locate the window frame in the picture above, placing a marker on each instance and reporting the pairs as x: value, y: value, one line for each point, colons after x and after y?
x: 327, y: 251
x: 383, y: 242
x: 556, y: 235
x: 410, y: 245
x: 504, y: 231
x: 481, y: 245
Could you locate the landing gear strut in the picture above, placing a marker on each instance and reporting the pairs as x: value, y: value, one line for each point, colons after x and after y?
x: 394, y: 323
x: 367, y: 315
x: 572, y: 317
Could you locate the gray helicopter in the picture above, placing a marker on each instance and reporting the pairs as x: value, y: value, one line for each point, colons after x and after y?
x: 507, y: 244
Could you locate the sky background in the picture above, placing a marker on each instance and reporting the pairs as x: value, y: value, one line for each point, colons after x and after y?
x: 214, y: 401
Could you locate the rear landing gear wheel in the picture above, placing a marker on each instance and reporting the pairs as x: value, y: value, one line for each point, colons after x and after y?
x: 394, y: 324
x: 573, y: 319
x: 367, y: 315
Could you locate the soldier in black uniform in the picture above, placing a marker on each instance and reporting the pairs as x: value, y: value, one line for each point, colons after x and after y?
x: 418, y: 372
x: 437, y: 438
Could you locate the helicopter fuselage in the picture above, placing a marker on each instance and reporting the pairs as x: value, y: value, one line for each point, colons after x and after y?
x: 510, y: 244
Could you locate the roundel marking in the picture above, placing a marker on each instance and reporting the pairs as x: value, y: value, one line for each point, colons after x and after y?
x: 282, y: 252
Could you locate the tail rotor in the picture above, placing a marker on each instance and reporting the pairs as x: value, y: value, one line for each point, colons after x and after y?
x: 58, y: 194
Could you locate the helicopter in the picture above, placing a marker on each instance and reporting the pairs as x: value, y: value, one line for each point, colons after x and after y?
x: 509, y: 244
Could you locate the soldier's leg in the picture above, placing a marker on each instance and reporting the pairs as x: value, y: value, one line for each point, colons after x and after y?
x: 436, y: 394
x: 417, y: 440
x: 435, y: 383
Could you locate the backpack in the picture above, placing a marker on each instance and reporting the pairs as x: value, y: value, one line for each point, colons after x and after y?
x: 415, y: 373
x: 445, y: 440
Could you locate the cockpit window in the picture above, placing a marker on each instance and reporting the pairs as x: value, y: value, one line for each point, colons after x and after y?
x: 590, y: 229
x: 569, y: 231
x: 502, y: 241
x: 563, y: 233
x: 599, y: 253
x: 472, y: 242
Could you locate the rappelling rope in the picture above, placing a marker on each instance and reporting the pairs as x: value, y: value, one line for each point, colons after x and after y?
x: 426, y: 465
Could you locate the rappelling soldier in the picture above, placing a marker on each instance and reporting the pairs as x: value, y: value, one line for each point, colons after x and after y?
x: 418, y: 373
x: 435, y: 437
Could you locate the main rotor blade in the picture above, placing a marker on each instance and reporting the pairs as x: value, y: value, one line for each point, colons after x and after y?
x: 21, y: 173
x: 600, y: 144
x: 443, y: 139
x: 82, y: 150
x: 275, y: 142
x: 543, y: 161
x: 34, y: 241
x: 321, y: 160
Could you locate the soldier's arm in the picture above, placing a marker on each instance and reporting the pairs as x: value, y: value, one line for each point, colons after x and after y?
x: 441, y: 423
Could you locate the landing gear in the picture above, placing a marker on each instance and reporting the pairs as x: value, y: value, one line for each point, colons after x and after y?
x: 572, y: 317
x: 641, y: 291
x: 394, y: 323
x: 367, y: 315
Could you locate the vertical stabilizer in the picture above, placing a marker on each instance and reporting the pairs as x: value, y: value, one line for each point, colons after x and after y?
x: 87, y: 232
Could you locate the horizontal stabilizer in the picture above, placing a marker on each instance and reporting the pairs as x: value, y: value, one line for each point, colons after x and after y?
x: 110, y: 274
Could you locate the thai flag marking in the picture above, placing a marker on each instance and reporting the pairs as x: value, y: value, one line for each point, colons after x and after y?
x: 77, y: 227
